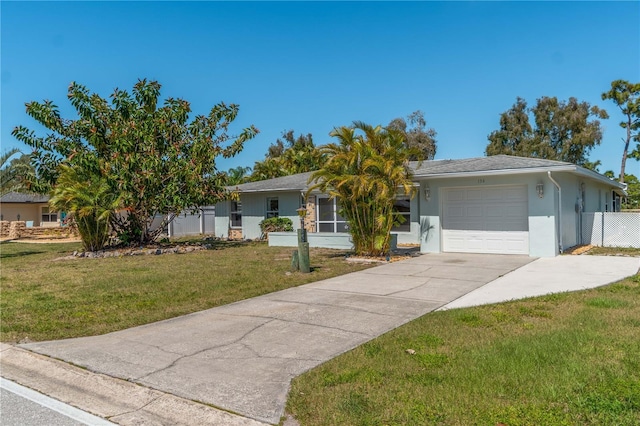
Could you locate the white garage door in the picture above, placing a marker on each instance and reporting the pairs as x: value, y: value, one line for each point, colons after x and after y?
x: 491, y: 219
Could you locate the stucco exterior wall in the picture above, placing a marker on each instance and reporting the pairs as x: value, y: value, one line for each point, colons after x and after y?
x: 254, y: 211
x: 413, y: 236
x: 546, y: 229
x: 27, y: 211
x: 541, y: 222
x: 222, y: 220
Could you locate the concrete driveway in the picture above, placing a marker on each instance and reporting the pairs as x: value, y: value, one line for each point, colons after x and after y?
x: 242, y: 357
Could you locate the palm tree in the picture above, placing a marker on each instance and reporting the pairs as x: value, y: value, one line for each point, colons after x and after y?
x: 238, y: 175
x: 90, y: 203
x: 366, y: 170
x: 268, y: 169
x: 14, y: 172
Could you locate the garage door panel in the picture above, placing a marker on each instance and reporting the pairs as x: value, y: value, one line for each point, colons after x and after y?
x: 485, y: 242
x: 455, y: 195
x: 486, y: 220
x: 515, y: 194
x: 474, y: 211
x: 494, y: 211
x: 493, y: 195
x: 473, y: 195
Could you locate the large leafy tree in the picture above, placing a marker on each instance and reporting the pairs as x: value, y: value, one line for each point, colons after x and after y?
x: 627, y: 97
x: 515, y: 136
x: 564, y: 131
x: 365, y: 171
x: 154, y: 158
x: 288, y: 156
x: 416, y: 135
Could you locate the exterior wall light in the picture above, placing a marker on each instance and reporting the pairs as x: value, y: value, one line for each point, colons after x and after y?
x: 540, y: 189
x: 302, y: 212
x: 427, y: 193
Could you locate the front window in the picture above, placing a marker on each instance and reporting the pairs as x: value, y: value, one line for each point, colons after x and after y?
x: 272, y: 207
x: 402, y: 210
x: 328, y: 218
x: 236, y: 214
x: 48, y: 215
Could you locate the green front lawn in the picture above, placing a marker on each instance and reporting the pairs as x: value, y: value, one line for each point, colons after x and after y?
x: 568, y: 359
x: 43, y: 299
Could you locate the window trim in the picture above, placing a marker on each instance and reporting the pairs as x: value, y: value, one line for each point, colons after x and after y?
x: 334, y: 220
x: 235, y: 208
x: 407, y: 215
x: 49, y: 213
x: 272, y: 213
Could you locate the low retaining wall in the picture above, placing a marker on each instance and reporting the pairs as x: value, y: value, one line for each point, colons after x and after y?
x: 319, y: 240
x: 18, y: 229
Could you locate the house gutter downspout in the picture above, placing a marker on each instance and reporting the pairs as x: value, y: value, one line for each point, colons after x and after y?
x: 559, y: 211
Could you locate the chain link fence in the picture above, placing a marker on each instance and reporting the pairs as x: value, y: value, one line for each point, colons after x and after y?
x: 609, y: 229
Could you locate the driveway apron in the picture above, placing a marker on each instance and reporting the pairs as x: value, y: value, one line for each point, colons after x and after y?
x: 241, y: 357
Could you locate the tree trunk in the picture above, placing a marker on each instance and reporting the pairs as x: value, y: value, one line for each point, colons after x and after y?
x: 626, y: 149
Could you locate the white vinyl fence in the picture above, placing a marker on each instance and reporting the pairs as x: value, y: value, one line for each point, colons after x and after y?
x: 202, y: 222
x: 611, y: 229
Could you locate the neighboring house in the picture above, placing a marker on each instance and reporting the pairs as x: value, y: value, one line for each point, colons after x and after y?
x: 31, y: 208
x: 498, y: 204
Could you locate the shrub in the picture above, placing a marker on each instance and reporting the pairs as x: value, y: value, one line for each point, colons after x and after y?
x: 275, y: 224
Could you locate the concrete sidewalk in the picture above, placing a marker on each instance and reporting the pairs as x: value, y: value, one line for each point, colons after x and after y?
x: 550, y: 275
x: 242, y: 357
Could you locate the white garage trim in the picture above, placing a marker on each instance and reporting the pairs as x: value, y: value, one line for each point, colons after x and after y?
x: 485, y: 219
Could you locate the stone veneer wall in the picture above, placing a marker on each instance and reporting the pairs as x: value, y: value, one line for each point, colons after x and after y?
x: 18, y: 229
x: 5, y: 225
x: 235, y: 234
x: 310, y: 218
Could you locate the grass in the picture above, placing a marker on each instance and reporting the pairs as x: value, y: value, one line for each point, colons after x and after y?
x: 566, y: 359
x: 614, y: 251
x: 43, y: 299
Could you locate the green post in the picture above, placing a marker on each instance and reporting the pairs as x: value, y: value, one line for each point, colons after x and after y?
x: 303, y: 252
x: 295, y: 261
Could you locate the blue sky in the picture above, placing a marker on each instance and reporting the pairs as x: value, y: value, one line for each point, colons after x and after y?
x: 312, y: 66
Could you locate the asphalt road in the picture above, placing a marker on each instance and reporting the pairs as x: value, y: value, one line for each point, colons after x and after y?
x: 20, y: 406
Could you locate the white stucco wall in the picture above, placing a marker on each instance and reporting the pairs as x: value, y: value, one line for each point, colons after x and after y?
x: 426, y: 230
x: 254, y: 211
x: 222, y: 219
x: 413, y: 236
x: 542, y: 239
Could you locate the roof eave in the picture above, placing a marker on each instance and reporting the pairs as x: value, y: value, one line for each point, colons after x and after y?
x: 502, y: 172
x: 249, y: 191
x: 619, y: 188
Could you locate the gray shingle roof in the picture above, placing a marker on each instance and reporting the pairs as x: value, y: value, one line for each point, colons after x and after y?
x: 483, y: 164
x: 439, y: 168
x: 286, y: 183
x: 19, y: 197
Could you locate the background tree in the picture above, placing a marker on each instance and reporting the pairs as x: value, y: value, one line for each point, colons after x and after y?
x: 364, y: 171
x: 627, y: 97
x: 515, y: 135
x: 288, y: 156
x: 632, y: 200
x: 564, y: 131
x: 14, y: 171
x: 238, y: 175
x: 152, y: 157
x: 417, y: 136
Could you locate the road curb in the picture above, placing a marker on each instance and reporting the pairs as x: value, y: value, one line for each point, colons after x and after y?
x: 119, y: 401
